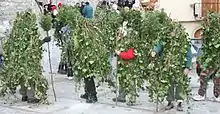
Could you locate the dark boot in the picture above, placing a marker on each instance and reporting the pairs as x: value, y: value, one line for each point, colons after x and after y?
x: 119, y: 99
x: 24, y: 98
x: 216, y: 88
x: 61, y: 69
x: 69, y: 73
x: 179, y: 107
x: 91, y: 90
x: 92, y: 99
x: 33, y: 100
x: 84, y: 96
x: 169, y: 106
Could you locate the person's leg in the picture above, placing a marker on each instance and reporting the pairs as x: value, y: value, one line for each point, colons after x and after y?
x: 216, y: 89
x: 178, y: 97
x: 203, y: 85
x: 62, y: 67
x: 86, y: 94
x: 92, y: 98
x: 113, y: 63
x: 170, y: 96
x: 23, y: 92
x: 31, y: 96
x: 113, y: 68
x: 121, y: 97
x: 198, y: 68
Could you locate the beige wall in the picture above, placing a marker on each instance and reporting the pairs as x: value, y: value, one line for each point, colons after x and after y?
x: 181, y: 10
x: 191, y: 27
x: 178, y: 9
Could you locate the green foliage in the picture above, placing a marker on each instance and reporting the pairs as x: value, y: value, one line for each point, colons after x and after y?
x: 22, y: 58
x: 107, y: 24
x: 169, y: 66
x: 90, y: 59
x: 69, y: 15
x: 95, y: 39
x: 211, y: 41
x: 46, y: 22
x: 87, y: 52
x: 134, y: 19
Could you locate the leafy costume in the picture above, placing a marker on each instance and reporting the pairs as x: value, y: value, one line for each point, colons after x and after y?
x: 90, y: 89
x: 22, y: 55
x: 210, y: 57
x: 174, y: 90
x: 126, y: 56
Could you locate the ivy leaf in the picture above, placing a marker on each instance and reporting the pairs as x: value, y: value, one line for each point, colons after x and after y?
x: 91, y: 62
x: 217, y: 45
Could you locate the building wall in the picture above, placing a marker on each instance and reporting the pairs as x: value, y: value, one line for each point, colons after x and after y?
x: 191, y: 27
x: 182, y: 11
x: 179, y: 9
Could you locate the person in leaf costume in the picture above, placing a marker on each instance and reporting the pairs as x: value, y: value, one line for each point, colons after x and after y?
x: 29, y: 94
x: 205, y: 75
x: 171, y: 96
x: 126, y: 56
x: 28, y: 74
x: 90, y: 88
x: 210, y: 57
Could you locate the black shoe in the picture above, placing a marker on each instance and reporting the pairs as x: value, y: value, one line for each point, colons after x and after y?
x: 119, y: 99
x: 33, y: 100
x: 62, y: 72
x: 179, y: 107
x: 216, y: 94
x: 131, y: 103
x: 24, y: 98
x: 61, y: 69
x: 84, y: 96
x: 69, y: 72
x: 92, y: 100
x: 169, y: 106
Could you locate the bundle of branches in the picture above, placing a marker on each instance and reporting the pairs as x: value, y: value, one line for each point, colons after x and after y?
x: 22, y: 58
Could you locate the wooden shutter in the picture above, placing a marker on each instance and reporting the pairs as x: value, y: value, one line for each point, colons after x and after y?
x: 210, y: 5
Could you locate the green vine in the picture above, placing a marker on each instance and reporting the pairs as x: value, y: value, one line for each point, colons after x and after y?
x: 168, y: 67
x: 95, y: 39
x: 22, y: 58
x: 211, y: 42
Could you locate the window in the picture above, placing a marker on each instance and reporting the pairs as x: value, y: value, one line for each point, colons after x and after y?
x: 198, y: 33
